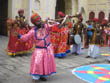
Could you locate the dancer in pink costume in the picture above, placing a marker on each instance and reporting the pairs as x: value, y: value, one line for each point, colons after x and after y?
x: 43, y: 62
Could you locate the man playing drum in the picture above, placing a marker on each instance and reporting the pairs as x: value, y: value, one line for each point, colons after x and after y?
x: 76, y: 39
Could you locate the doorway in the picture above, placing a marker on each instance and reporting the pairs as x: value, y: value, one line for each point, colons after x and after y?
x: 3, y: 17
x: 60, y: 6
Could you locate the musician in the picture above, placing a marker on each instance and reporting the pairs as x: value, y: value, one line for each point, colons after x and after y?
x: 93, y: 50
x: 103, y: 26
x: 107, y: 36
x: 77, y: 30
x: 89, y: 32
x: 107, y: 31
x: 69, y: 26
x: 22, y: 21
x: 20, y: 16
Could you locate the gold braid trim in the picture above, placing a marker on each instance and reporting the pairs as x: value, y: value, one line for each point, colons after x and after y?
x: 93, y: 37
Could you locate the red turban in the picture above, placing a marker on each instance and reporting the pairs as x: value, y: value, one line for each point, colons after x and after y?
x: 20, y: 11
x: 95, y: 20
x: 34, y: 18
x: 61, y: 14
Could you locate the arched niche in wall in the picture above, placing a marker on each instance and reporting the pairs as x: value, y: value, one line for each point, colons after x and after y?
x: 63, y: 5
x: 60, y: 6
x: 91, y: 15
x: 101, y: 16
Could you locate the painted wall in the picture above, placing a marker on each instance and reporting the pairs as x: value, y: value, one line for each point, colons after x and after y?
x: 46, y: 8
x: 83, y: 7
x: 97, y: 6
x: 20, y: 4
x: 10, y: 8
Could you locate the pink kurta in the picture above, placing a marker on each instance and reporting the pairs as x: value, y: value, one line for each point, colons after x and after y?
x: 42, y: 63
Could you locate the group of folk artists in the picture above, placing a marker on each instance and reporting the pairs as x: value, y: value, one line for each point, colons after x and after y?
x: 55, y: 38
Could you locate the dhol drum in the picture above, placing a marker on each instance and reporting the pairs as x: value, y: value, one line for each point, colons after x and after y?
x: 71, y: 39
x: 75, y: 39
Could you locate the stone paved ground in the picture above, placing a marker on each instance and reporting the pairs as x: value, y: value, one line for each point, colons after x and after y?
x: 18, y: 67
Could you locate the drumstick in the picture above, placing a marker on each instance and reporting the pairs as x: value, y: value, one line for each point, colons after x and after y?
x: 64, y: 19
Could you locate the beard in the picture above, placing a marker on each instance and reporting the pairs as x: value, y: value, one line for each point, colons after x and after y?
x: 40, y: 25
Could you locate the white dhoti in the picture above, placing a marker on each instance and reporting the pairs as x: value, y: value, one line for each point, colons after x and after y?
x: 93, y: 51
x: 76, y: 48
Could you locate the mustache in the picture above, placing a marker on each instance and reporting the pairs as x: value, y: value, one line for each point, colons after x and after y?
x: 40, y: 25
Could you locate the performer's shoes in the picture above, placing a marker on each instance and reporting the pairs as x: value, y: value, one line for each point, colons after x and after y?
x: 43, y: 79
x: 88, y: 56
x: 82, y: 48
x: 73, y: 53
x: 34, y: 81
x: 76, y: 54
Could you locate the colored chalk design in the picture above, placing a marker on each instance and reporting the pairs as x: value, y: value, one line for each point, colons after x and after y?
x: 96, y: 73
x: 105, y: 54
